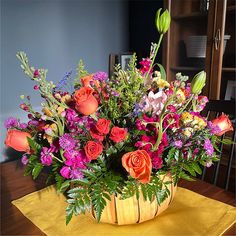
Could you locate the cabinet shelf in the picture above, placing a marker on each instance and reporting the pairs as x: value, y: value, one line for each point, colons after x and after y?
x: 186, y: 68
x: 231, y: 8
x: 189, y: 15
x: 228, y: 69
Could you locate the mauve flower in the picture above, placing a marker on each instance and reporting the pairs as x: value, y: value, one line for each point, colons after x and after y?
x: 67, y: 142
x: 24, y: 159
x: 208, y: 147
x: 65, y: 172
x: 76, y: 174
x: 100, y: 76
x: 23, y: 125
x: 11, y: 122
x: 33, y: 123
x: 214, y: 129
x: 178, y: 144
x: 46, y: 156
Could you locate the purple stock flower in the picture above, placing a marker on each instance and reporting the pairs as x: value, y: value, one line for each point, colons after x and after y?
x: 33, y: 123
x: 214, y: 129
x: 67, y: 142
x: 23, y: 125
x: 46, y: 156
x: 100, y: 76
x: 24, y: 159
x: 11, y: 122
x: 208, y: 147
x: 76, y: 174
x: 65, y: 172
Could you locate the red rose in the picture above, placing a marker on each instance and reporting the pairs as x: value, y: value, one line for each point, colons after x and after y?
x: 223, y: 123
x: 93, y: 150
x: 138, y: 164
x: 103, y: 126
x: 118, y: 134
x: 96, y: 135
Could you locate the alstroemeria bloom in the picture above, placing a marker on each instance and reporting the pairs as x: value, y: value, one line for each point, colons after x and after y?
x: 154, y: 102
x: 223, y: 123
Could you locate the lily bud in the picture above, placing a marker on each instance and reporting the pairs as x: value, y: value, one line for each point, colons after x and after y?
x: 198, y: 82
x: 162, y: 21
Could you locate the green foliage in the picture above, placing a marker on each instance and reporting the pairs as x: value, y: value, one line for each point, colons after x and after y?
x: 34, y: 167
x: 96, y: 186
x: 34, y: 145
x: 81, y: 72
x: 156, y: 188
x: 162, y: 71
x: 130, y: 87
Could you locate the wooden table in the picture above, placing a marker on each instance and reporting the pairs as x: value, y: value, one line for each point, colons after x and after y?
x: 14, y: 185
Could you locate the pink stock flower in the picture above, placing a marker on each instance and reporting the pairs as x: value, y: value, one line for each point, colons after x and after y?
x: 65, y: 172
x: 145, y: 65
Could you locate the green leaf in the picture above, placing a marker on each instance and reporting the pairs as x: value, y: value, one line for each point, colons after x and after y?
x: 36, y: 170
x: 69, y: 213
x: 162, y: 71
x: 197, y: 168
x: 189, y: 169
x: 64, y: 186
x: 183, y: 175
x: 34, y: 145
x: 227, y: 141
x: 107, y: 196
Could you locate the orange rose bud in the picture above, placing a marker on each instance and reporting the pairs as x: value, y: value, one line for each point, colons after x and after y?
x: 223, y: 123
x: 17, y: 140
x: 87, y: 79
x: 138, y: 164
x: 86, y: 103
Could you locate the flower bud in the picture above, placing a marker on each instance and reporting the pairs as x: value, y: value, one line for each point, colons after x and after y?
x: 162, y: 21
x: 198, y: 82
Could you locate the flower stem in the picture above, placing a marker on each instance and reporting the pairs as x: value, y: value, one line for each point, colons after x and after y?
x: 154, y: 57
x: 186, y: 104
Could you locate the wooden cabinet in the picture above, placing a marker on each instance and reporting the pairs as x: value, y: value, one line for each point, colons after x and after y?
x: 195, y: 42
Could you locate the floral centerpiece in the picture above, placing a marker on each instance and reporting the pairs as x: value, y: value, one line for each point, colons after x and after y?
x: 119, y: 136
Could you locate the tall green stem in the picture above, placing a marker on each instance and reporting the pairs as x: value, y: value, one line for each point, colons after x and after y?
x: 154, y: 57
x: 186, y: 104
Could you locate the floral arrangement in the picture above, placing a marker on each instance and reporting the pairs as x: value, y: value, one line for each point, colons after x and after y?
x: 101, y: 136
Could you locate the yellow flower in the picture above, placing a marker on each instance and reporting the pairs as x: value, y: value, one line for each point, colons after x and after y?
x: 161, y: 83
x: 180, y: 95
x: 47, y: 111
x: 55, y: 131
x: 188, y: 131
x: 66, y: 98
x: 186, y: 117
x: 60, y: 110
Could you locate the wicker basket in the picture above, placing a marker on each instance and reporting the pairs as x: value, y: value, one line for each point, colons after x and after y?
x: 132, y: 211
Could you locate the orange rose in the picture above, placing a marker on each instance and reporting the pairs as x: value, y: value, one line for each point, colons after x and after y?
x: 18, y: 140
x: 223, y: 123
x: 86, y: 103
x: 138, y: 164
x: 93, y: 150
x: 87, y: 79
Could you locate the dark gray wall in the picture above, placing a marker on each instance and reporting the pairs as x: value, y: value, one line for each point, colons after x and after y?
x: 56, y: 34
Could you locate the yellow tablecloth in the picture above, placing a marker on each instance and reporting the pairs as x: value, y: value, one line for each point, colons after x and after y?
x: 189, y: 214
